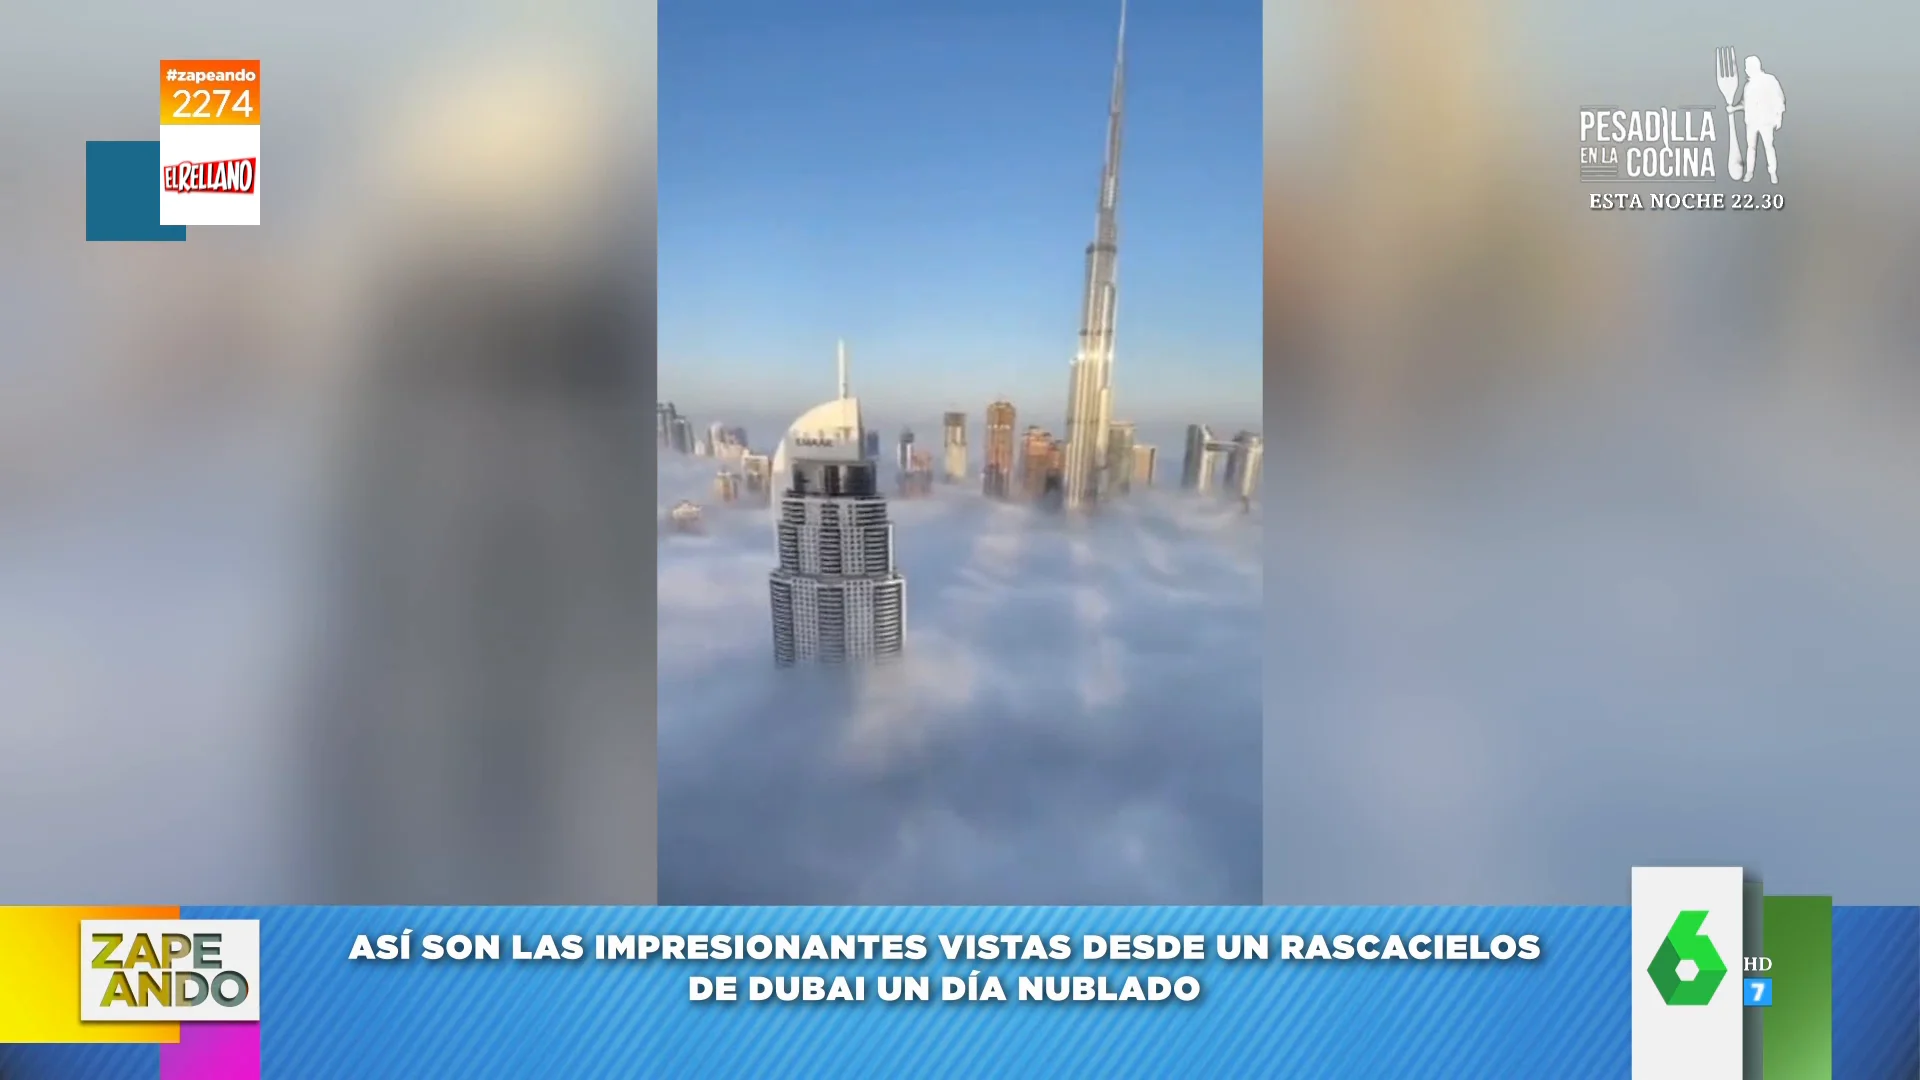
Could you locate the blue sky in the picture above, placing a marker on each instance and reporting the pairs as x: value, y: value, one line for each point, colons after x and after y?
x: 920, y: 178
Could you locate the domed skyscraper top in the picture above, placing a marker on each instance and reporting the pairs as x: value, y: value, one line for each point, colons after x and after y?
x: 830, y: 431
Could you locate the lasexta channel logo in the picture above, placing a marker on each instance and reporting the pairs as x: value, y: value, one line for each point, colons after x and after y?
x: 1684, y: 948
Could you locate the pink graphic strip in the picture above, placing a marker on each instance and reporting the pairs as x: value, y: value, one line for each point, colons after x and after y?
x: 212, y: 1052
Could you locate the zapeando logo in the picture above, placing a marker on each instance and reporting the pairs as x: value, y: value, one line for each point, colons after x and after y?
x: 169, y: 970
x: 1685, y: 944
x: 234, y: 176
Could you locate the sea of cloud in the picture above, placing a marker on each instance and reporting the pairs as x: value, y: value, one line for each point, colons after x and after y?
x: 1077, y: 719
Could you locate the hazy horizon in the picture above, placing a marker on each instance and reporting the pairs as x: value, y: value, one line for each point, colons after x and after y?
x: 765, y: 430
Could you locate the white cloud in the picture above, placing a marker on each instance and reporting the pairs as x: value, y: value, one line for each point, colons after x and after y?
x: 1077, y: 719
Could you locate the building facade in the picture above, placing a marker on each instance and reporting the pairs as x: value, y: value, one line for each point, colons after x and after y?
x: 837, y: 596
x: 1244, y: 465
x: 917, y: 481
x: 756, y: 476
x: 663, y: 416
x: 1084, y: 473
x: 1120, y: 441
x: 954, y: 439
x: 1214, y: 459
x: 997, y: 475
x: 1041, y: 458
x: 1144, y: 459
x: 1196, y: 449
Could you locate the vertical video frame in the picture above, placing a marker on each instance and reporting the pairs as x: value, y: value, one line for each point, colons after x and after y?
x: 960, y: 574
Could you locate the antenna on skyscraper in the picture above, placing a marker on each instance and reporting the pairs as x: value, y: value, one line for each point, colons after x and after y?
x: 843, y: 370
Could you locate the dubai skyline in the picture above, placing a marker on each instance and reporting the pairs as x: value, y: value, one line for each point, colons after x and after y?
x: 940, y: 224
x: 967, y: 257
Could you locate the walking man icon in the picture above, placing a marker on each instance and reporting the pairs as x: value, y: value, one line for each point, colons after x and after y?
x: 1765, y: 103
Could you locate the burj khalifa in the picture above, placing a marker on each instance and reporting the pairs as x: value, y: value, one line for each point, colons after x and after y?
x: 1090, y: 392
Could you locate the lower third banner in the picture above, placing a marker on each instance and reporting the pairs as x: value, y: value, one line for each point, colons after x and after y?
x: 824, y: 992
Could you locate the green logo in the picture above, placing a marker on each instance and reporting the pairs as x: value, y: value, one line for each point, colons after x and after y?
x: 1686, y: 942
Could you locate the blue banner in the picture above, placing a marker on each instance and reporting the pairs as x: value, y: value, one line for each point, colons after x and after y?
x: 1098, y: 992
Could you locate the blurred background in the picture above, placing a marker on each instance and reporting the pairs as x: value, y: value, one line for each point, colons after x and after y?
x: 1604, y: 542
x: 325, y: 567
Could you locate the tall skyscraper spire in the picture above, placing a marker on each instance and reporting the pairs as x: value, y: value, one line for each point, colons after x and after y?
x: 1090, y: 390
x: 843, y: 371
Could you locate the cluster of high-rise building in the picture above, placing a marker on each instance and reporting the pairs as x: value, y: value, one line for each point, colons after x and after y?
x: 672, y: 431
x: 1033, y: 466
x: 1145, y: 457
x: 744, y: 476
x: 1216, y: 466
x: 916, y: 477
x: 837, y: 595
x: 913, y: 466
x: 724, y: 441
x: 1043, y: 460
x: 756, y: 476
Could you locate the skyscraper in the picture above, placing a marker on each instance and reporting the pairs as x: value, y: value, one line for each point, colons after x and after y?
x: 997, y: 477
x: 1090, y: 390
x: 837, y: 596
x: 756, y: 472
x: 917, y: 480
x: 870, y: 446
x: 663, y: 417
x: 1144, y: 459
x: 954, y: 429
x: 905, y: 454
x: 1053, y: 495
x: 1120, y: 458
x: 1213, y: 467
x: 1248, y: 451
x: 1238, y: 457
x: 1197, y: 439
x: 1037, y: 464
